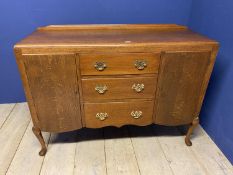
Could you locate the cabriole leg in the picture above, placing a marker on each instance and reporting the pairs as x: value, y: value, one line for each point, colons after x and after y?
x: 190, y: 131
x: 39, y: 136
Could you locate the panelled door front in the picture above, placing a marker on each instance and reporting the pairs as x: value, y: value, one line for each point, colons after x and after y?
x: 180, y: 82
x: 54, y: 88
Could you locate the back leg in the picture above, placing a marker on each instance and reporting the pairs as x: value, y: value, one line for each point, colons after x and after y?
x: 194, y: 124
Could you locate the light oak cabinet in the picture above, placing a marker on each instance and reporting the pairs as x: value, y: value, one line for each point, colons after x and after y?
x: 114, y: 75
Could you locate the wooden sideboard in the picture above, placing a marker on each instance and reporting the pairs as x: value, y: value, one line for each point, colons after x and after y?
x: 93, y: 76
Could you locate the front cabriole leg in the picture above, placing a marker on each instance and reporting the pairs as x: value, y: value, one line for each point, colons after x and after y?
x: 39, y: 136
x: 194, y: 124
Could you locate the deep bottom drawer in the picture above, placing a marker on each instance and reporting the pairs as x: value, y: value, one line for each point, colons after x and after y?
x: 118, y: 113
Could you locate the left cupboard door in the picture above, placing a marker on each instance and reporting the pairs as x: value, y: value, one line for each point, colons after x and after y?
x: 53, y: 83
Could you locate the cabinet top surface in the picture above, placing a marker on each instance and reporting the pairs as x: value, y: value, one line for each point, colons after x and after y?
x: 101, y: 35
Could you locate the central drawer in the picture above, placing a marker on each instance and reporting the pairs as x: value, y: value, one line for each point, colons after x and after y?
x: 119, y: 63
x: 118, y: 113
x: 119, y: 88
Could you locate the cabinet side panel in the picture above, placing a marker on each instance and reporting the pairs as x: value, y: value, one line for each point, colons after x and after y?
x: 180, y: 86
x: 54, y: 88
x: 21, y: 67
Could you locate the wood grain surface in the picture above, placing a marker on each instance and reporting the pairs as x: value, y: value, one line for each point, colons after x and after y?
x: 118, y: 88
x: 112, y: 35
x: 11, y: 134
x: 118, y: 64
x: 119, y: 113
x: 179, y: 86
x: 53, y: 84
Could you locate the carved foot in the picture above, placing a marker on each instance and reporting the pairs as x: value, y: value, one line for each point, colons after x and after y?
x: 188, y: 141
x: 43, y: 151
x: 190, y: 131
x: 39, y: 136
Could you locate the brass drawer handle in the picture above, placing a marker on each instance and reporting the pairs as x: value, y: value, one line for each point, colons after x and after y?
x: 100, y: 66
x: 136, y: 114
x: 101, y: 89
x: 140, y: 64
x: 138, y: 87
x: 102, y: 116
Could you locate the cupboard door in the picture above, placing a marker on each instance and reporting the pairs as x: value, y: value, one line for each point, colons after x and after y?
x: 54, y: 89
x: 180, y: 82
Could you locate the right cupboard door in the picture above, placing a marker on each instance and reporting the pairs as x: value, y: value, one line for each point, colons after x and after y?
x: 182, y: 78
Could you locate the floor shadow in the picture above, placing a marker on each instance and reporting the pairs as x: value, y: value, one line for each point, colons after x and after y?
x: 110, y: 132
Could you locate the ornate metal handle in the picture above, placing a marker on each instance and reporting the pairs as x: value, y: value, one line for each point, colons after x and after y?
x: 140, y: 64
x: 100, y: 66
x: 102, y: 116
x: 136, y: 114
x: 101, y: 89
x: 138, y: 87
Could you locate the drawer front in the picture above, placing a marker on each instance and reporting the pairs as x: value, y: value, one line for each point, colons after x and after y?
x: 115, y: 64
x: 118, y: 113
x: 95, y: 89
